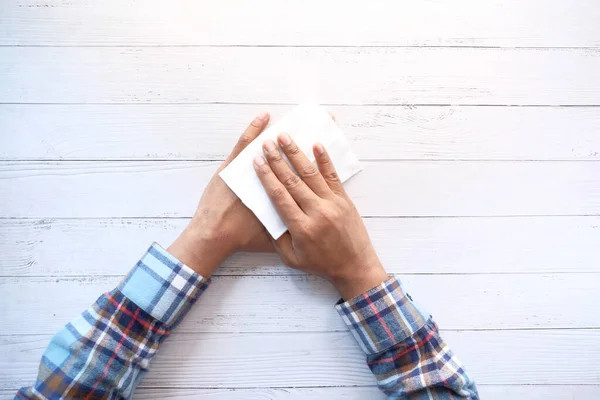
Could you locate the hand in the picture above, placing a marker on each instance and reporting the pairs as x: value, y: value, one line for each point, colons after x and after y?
x: 326, y: 235
x: 222, y: 224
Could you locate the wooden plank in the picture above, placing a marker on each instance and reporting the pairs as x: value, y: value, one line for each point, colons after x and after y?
x: 412, y: 188
x: 488, y: 392
x: 208, y: 131
x: 305, y: 303
x: 289, y: 75
x: 538, y: 392
x: 234, y: 22
x: 346, y: 393
x: 492, y: 392
x: 66, y: 247
x: 334, y: 359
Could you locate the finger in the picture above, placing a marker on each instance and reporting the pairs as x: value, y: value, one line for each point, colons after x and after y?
x: 307, y: 171
x: 327, y: 169
x: 257, y: 125
x: 282, y: 200
x: 301, y: 193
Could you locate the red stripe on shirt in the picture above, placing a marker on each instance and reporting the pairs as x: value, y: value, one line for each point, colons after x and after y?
x: 387, y: 329
x: 141, y: 321
x: 114, y: 355
x: 406, y: 351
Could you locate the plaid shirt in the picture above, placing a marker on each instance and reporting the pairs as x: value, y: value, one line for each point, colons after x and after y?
x: 404, y: 349
x: 105, y: 352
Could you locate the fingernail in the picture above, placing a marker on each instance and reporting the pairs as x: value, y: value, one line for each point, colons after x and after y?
x: 285, y: 139
x: 320, y: 149
x: 270, y: 146
x: 259, y: 160
x: 263, y: 115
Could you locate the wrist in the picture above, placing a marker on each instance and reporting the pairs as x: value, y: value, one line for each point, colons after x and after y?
x: 200, y: 250
x: 363, y: 276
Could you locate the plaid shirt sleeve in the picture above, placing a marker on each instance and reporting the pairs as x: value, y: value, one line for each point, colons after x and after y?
x: 404, y: 349
x: 105, y: 352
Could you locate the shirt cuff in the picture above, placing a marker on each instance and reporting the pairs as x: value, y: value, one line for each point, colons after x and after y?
x: 163, y: 286
x: 382, y: 317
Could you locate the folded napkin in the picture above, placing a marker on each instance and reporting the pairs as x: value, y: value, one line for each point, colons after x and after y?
x: 307, y: 125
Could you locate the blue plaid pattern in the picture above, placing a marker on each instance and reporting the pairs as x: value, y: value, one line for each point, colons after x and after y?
x: 103, y: 353
x: 404, y: 349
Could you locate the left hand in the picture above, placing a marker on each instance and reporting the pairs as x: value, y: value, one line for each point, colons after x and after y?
x: 222, y: 224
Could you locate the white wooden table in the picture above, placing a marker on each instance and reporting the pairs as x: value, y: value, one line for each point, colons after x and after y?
x: 478, y: 123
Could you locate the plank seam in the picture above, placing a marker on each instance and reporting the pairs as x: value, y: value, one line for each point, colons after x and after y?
x: 338, y: 332
x: 371, y: 160
x: 154, y: 103
x: 9, y: 218
x: 99, y: 276
x: 301, y: 46
x: 223, y: 103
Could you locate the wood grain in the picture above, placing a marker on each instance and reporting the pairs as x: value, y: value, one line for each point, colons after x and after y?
x: 208, y: 131
x: 492, y: 392
x: 334, y: 359
x: 479, y: 122
x: 268, y: 22
x: 455, y: 76
x: 305, y: 303
x: 171, y: 189
x: 66, y: 247
x: 165, y: 189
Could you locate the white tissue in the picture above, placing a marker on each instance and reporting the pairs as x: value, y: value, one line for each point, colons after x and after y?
x: 307, y: 125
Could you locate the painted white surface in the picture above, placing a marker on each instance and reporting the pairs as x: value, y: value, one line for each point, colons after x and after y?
x: 493, y: 392
x: 479, y: 123
x: 301, y: 22
x: 208, y: 131
x: 327, y: 75
x: 383, y: 188
x: 305, y: 303
x: 92, y: 247
x: 333, y: 359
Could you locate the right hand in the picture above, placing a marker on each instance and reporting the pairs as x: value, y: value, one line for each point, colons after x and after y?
x: 222, y: 224
x: 326, y: 235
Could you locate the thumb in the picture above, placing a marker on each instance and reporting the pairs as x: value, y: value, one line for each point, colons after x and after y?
x: 285, y: 247
x: 255, y: 128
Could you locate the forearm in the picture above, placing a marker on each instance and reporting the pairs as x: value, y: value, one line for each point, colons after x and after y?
x: 404, y: 349
x: 105, y: 351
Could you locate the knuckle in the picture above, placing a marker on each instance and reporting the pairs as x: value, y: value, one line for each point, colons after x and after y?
x: 343, y: 204
x: 332, y: 176
x: 245, y: 139
x: 293, y: 150
x: 256, y: 123
x: 302, y: 230
x: 277, y: 192
x: 276, y: 157
x: 330, y: 214
x: 306, y: 231
x: 264, y: 169
x: 325, y: 160
x: 310, y: 170
x: 291, y: 181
